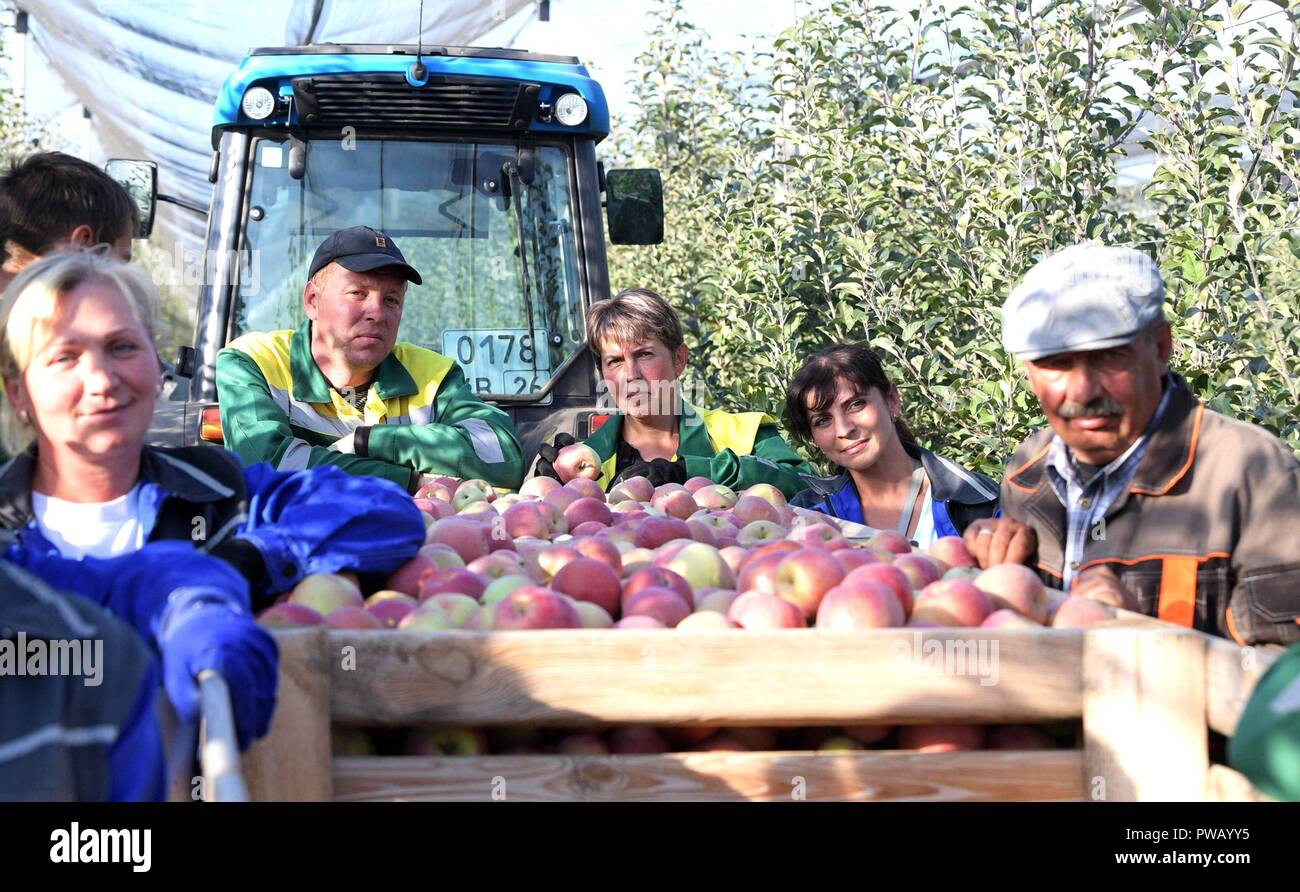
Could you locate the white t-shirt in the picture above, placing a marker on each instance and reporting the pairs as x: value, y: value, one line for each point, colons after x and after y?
x: 926, y: 534
x: 94, y: 529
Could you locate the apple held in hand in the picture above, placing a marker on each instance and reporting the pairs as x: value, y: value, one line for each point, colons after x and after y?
x: 577, y: 460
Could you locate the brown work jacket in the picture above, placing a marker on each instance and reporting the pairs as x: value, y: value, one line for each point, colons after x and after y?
x: 1207, y: 535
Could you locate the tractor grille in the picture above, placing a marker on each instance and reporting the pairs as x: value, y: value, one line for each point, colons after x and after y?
x: 387, y: 99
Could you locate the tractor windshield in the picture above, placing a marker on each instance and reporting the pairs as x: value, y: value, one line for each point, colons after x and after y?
x: 448, y: 207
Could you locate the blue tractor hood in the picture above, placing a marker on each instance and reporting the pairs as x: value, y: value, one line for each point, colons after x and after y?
x: 461, y: 88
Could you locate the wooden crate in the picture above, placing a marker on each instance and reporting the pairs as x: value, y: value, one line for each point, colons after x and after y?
x: 1147, y: 694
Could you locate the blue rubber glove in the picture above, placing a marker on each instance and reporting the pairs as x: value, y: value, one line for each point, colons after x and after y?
x: 192, y: 609
x: 207, y: 634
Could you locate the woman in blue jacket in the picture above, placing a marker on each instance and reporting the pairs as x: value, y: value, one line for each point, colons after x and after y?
x: 842, y: 401
x: 81, y: 376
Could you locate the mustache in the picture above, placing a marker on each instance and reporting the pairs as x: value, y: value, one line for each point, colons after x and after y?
x: 1102, y: 406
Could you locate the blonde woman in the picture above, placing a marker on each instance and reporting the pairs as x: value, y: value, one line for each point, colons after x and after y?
x: 81, y: 375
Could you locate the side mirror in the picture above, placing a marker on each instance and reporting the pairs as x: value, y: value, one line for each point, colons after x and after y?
x: 140, y: 180
x: 634, y: 205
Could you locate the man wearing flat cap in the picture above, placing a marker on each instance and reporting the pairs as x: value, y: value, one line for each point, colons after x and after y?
x: 340, y: 390
x: 1137, y: 494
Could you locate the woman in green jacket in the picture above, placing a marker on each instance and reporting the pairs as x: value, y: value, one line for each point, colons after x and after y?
x: 655, y: 433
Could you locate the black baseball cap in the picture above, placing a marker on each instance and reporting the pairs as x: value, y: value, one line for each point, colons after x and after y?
x: 362, y: 250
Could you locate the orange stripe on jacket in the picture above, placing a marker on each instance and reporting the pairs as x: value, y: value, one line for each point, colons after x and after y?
x: 1178, y: 591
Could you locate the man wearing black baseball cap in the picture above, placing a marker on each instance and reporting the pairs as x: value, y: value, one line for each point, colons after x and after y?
x: 340, y: 390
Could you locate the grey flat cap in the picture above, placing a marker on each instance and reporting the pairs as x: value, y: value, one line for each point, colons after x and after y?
x: 1086, y: 297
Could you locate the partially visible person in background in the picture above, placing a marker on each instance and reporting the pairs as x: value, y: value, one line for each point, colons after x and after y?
x: 842, y: 401
x: 50, y: 201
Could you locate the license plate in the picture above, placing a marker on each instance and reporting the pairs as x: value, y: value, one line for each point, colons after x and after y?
x: 500, y: 360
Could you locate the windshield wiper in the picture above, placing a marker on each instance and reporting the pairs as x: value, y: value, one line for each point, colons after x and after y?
x: 518, y: 173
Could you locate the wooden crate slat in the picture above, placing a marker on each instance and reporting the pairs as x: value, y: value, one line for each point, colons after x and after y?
x: 292, y: 763
x: 1231, y: 673
x: 775, y: 678
x: 1055, y: 775
x: 1144, y: 714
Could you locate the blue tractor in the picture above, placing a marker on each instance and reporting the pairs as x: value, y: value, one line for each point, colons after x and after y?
x: 480, y: 163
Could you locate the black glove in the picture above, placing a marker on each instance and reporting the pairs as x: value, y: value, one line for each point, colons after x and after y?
x: 658, y: 472
x: 547, y: 453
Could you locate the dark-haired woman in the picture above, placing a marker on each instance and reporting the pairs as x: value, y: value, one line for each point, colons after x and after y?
x: 842, y: 402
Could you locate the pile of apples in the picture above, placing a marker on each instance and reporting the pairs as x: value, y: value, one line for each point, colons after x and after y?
x: 648, y: 740
x: 693, y: 557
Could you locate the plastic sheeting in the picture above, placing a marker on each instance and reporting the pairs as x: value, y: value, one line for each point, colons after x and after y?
x: 149, y: 70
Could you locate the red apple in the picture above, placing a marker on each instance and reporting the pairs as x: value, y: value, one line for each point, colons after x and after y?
x: 496, y: 565
x: 637, y: 489
x: 454, y: 579
x: 919, y: 569
x: 892, y: 542
x: 1076, y: 612
x: 678, y: 504
x: 352, y: 618
x: 599, y: 548
x: 697, y: 483
x: 750, y: 509
x: 705, y: 621
x: 656, y: 577
x: 701, y: 565
x: 551, y: 560
x: 760, y: 574
x: 768, y: 493
x: 760, y: 531
x: 1008, y: 619
x: 409, y: 577
x: 816, y: 535
x: 577, y: 460
x: 889, y: 575
x: 662, y: 604
x: 560, y: 499
x: 593, y: 616
x: 715, y: 496
x: 458, y: 608
x: 587, y: 488
x: 855, y: 606
x: 466, y: 537
x: 442, y: 555
x: 587, y: 579
x: 805, y: 576
x: 952, y: 602
x: 639, y: 622
x: 289, y: 615
x: 655, y: 531
x: 588, y: 510
x: 535, y: 607
x: 940, y: 738
x: 759, y: 610
x: 1016, y: 587
x: 427, y: 619
x: 851, y: 558
x: 531, y: 519
x: 717, y: 600
x: 325, y: 593
x: 538, y: 487
x: 952, y: 551
x: 499, y: 589
x: 389, y: 607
